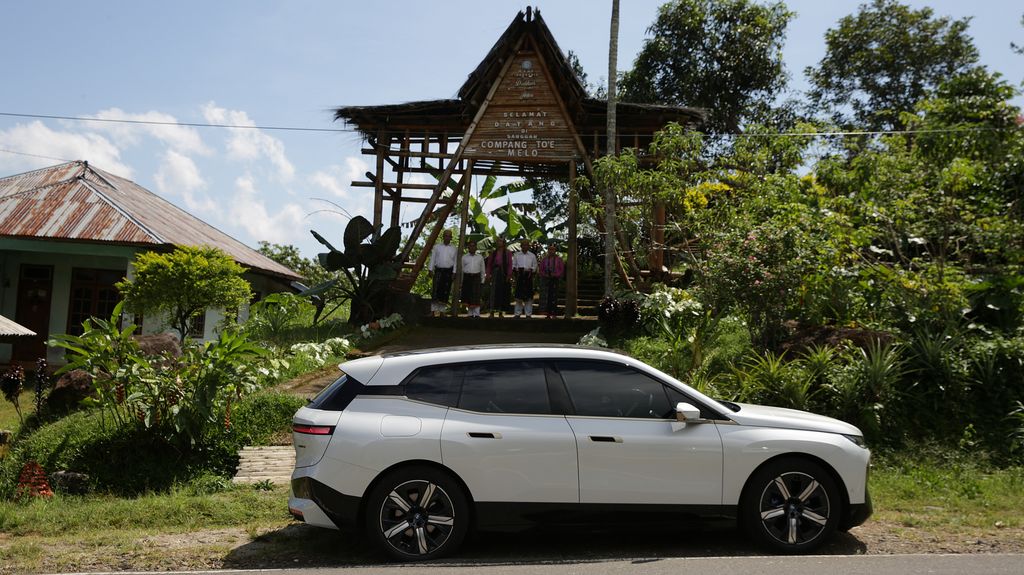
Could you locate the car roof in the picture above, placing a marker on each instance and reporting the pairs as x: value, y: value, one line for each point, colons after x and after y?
x: 392, y: 368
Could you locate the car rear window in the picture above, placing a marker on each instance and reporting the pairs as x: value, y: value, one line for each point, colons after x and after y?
x: 505, y: 387
x: 337, y: 396
x: 438, y: 384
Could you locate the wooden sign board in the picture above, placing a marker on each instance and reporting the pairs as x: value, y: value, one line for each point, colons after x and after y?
x: 524, y: 122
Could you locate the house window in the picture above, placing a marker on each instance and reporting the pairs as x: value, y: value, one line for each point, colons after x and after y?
x: 197, y: 326
x: 92, y: 295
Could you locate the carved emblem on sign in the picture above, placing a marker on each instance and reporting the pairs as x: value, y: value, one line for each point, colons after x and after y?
x: 523, y: 122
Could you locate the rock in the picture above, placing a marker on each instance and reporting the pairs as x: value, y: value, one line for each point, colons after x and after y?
x: 70, y: 390
x: 157, y: 344
x: 70, y: 482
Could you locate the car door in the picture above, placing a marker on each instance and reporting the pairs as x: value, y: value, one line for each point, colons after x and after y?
x: 503, y: 438
x: 630, y: 447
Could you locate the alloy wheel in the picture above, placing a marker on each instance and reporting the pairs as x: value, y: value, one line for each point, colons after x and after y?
x: 794, y: 508
x: 417, y: 518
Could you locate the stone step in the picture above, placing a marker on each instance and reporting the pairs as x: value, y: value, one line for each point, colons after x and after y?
x: 265, y: 463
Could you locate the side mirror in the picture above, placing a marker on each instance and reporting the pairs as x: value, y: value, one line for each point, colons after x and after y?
x: 686, y: 412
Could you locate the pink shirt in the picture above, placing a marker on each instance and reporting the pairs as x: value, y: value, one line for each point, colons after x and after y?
x: 552, y: 267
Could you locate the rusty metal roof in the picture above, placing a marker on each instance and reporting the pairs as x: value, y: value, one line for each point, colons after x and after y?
x: 76, y: 201
x: 9, y: 328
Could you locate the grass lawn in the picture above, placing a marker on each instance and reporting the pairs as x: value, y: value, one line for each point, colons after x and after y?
x: 920, y: 507
x: 9, y: 417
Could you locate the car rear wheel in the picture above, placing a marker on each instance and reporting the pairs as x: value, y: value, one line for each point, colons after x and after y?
x: 791, y: 506
x: 417, y: 513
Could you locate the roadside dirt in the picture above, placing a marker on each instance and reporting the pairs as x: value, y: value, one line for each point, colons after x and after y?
x: 298, y: 545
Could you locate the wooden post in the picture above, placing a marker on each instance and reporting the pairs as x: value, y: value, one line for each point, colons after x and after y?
x: 378, y: 189
x: 572, y: 255
x: 403, y: 166
x: 467, y: 188
x: 657, y: 260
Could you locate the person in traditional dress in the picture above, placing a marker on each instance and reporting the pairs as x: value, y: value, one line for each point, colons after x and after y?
x: 498, y: 269
x: 472, y: 279
x: 442, y: 263
x: 524, y: 266
x: 551, y: 271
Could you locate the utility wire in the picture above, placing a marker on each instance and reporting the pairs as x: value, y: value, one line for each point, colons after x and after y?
x: 35, y: 155
x: 183, y: 124
x: 399, y: 132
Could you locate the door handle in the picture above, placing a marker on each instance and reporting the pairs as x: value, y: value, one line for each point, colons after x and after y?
x: 605, y: 439
x: 484, y: 435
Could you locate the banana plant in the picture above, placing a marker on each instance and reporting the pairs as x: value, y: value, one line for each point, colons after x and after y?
x: 369, y: 268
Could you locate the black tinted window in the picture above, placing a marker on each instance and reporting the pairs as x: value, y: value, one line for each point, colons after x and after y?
x: 338, y: 395
x: 609, y: 390
x: 438, y: 385
x: 505, y: 387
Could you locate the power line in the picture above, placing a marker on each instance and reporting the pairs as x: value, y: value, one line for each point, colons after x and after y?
x: 35, y: 155
x: 182, y: 124
x: 353, y: 130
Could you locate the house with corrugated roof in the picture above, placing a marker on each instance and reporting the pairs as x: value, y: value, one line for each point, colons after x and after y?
x: 69, y: 232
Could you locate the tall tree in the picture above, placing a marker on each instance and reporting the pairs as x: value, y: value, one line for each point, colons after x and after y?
x: 881, y: 61
x: 609, y: 190
x: 723, y: 55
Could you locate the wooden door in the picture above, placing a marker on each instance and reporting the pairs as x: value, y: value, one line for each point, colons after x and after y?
x: 35, y: 291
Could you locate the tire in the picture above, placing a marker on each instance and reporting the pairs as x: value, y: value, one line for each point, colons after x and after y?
x: 398, y: 522
x: 791, y: 506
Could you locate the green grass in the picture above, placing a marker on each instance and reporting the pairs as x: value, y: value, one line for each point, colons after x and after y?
x: 182, y: 509
x: 954, y: 496
x: 9, y: 417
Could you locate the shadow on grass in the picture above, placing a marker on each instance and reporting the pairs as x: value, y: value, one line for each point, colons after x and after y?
x: 302, y: 546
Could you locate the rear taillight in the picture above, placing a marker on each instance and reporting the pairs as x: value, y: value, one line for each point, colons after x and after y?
x: 313, y: 429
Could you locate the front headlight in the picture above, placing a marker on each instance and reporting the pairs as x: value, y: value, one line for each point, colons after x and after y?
x: 858, y: 440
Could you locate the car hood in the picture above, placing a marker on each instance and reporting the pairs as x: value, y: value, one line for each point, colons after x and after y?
x: 765, y: 416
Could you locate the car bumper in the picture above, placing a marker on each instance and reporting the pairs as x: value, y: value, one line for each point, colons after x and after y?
x: 317, y: 504
x: 857, y: 513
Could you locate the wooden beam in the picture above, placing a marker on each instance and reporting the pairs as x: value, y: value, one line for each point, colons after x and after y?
x: 443, y: 180
x: 572, y: 255
x: 378, y: 191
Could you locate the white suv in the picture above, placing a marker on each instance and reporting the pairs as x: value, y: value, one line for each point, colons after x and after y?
x: 417, y: 448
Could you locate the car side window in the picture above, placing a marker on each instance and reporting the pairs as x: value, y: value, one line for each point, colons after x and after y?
x: 437, y: 384
x: 505, y: 387
x: 603, y: 389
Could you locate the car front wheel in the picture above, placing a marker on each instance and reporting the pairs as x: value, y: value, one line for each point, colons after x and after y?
x: 791, y: 506
x: 417, y: 513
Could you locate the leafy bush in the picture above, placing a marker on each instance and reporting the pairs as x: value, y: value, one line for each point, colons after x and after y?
x: 262, y: 416
x: 619, y: 317
x: 177, y: 401
x: 119, y: 459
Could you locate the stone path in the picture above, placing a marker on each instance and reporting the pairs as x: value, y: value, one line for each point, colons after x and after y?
x: 274, y: 463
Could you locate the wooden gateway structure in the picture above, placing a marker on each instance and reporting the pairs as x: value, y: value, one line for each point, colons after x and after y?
x: 521, y: 113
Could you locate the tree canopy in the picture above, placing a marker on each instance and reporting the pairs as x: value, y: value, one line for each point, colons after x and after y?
x: 881, y: 61
x: 184, y: 283
x: 722, y: 55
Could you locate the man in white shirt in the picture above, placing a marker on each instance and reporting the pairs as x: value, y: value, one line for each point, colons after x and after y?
x: 524, y: 266
x: 442, y: 262
x: 472, y: 278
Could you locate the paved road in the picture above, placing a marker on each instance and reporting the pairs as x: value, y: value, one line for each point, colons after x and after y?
x: 815, y: 565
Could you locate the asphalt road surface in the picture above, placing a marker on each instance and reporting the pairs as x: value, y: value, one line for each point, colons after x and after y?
x: 981, y: 564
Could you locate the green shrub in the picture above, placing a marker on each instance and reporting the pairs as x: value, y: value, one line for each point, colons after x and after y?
x: 118, y: 459
x: 262, y: 416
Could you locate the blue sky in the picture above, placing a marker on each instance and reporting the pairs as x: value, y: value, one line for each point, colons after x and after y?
x: 276, y: 63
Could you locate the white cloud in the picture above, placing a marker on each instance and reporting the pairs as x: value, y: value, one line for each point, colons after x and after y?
x: 182, y: 139
x: 179, y: 176
x: 36, y: 138
x: 337, y: 180
x: 250, y: 144
x: 249, y: 212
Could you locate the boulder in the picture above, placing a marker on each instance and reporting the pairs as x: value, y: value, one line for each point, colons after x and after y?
x: 70, y: 482
x: 70, y: 389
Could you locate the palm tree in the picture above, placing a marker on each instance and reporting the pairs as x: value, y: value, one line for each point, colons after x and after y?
x: 610, y: 191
